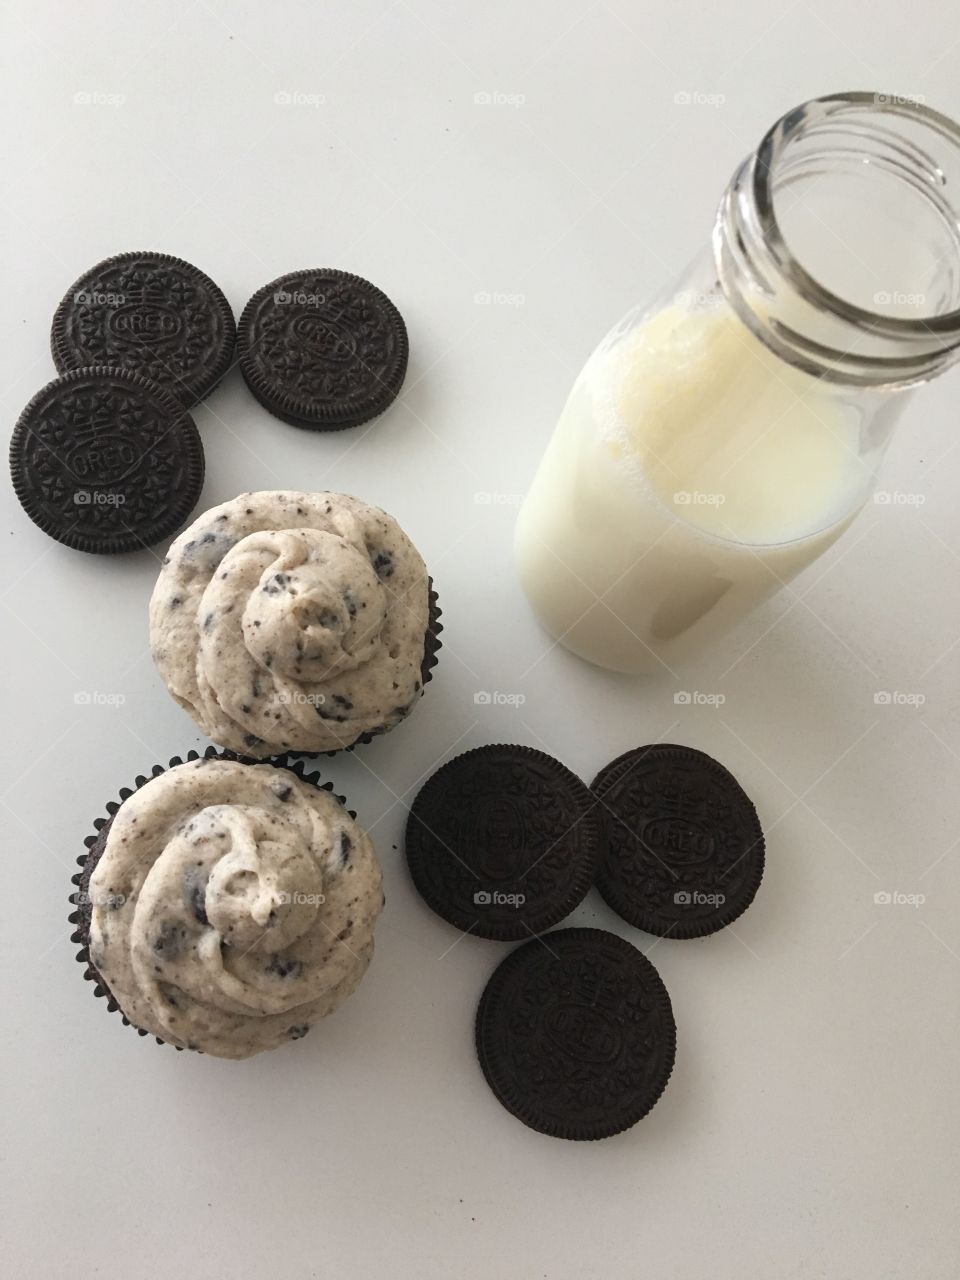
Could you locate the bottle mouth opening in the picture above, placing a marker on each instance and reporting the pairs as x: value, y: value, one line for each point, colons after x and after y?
x: 838, y: 241
x: 889, y: 146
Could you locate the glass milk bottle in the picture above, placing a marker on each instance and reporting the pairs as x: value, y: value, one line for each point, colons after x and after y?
x: 717, y: 442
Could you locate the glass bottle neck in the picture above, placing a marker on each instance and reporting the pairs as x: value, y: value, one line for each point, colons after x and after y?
x: 837, y: 242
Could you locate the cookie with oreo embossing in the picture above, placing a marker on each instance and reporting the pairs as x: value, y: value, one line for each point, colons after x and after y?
x: 105, y: 461
x: 151, y: 314
x: 503, y: 842
x: 684, y: 851
x: 575, y: 1034
x: 323, y: 349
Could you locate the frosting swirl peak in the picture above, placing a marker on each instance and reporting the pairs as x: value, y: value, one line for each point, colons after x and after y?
x: 292, y: 621
x: 232, y: 906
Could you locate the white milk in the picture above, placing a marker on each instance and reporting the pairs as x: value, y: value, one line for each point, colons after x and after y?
x: 691, y: 474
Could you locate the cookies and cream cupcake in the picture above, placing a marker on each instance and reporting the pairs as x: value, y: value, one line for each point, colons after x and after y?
x: 286, y: 621
x: 227, y: 906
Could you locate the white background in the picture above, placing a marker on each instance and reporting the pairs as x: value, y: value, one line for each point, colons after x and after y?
x: 811, y: 1125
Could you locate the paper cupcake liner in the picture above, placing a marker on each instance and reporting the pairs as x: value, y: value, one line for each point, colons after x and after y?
x: 432, y: 642
x: 80, y: 916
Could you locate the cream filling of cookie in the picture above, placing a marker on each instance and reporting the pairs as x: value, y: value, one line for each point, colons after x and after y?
x: 233, y: 906
x: 292, y: 621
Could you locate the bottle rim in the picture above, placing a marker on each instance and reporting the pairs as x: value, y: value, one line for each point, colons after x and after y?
x: 772, y: 148
x: 760, y: 273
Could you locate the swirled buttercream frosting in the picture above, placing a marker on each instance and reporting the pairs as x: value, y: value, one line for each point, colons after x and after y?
x: 292, y: 622
x: 232, y: 906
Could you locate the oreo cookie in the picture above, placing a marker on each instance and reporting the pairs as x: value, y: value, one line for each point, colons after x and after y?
x: 103, y: 460
x: 322, y: 349
x: 684, y: 852
x: 151, y: 314
x: 503, y: 842
x: 575, y: 1034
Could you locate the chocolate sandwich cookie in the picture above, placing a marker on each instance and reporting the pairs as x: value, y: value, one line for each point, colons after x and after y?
x: 684, y: 851
x: 103, y: 460
x: 322, y: 348
x: 148, y: 313
x: 575, y: 1034
x: 503, y: 842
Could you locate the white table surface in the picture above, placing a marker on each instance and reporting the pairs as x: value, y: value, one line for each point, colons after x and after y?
x: 811, y: 1124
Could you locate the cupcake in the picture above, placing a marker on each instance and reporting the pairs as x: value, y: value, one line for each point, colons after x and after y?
x: 226, y: 906
x: 299, y: 622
